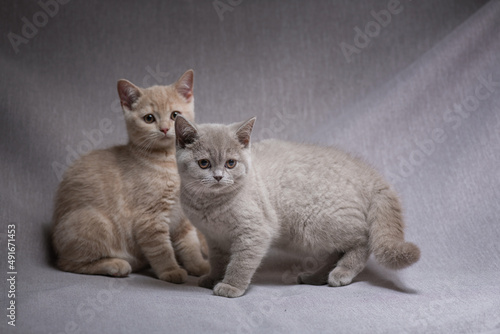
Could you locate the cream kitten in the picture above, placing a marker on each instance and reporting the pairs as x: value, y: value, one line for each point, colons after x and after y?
x: 300, y: 197
x: 117, y: 210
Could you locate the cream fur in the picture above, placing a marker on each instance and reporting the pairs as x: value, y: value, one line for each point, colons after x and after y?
x: 117, y: 210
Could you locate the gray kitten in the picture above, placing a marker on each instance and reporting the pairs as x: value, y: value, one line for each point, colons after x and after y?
x: 300, y: 197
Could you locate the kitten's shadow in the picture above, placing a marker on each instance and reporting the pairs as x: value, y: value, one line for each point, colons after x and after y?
x: 374, y: 275
x: 279, y: 270
x: 50, y: 254
x: 146, y: 279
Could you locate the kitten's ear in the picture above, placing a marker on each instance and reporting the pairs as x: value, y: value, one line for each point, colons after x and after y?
x: 185, y: 132
x: 184, y: 86
x: 244, y: 131
x: 128, y: 92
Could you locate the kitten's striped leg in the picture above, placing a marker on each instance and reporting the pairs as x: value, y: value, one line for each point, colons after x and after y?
x: 188, y: 250
x: 108, y: 266
x: 154, y: 239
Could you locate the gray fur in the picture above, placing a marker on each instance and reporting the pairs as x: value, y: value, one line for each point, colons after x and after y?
x: 299, y: 197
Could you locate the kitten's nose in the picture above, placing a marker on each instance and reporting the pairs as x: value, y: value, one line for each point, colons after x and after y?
x: 164, y: 130
x: 217, y: 177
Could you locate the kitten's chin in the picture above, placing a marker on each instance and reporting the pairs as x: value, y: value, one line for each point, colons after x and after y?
x: 219, y: 187
x: 168, y: 137
x: 213, y: 186
x: 165, y: 142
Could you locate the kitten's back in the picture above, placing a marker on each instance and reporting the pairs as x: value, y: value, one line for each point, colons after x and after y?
x: 93, y: 180
x: 318, y: 188
x: 310, y: 164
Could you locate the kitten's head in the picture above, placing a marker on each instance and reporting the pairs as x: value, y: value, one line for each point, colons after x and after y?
x: 150, y: 112
x: 213, y: 157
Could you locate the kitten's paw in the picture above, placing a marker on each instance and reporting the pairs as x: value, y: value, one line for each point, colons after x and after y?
x: 226, y: 290
x: 199, y: 269
x: 206, y: 282
x: 117, y: 267
x: 311, y: 278
x: 174, y: 276
x: 340, y: 276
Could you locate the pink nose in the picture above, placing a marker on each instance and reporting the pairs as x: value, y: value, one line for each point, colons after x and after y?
x: 165, y: 130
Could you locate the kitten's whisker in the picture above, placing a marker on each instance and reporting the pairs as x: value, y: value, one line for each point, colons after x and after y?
x: 145, y: 145
x: 142, y: 145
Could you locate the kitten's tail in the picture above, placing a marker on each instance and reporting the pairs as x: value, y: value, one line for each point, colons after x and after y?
x: 386, y: 232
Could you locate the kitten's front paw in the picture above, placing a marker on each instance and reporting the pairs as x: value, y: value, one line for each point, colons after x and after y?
x: 226, y: 290
x: 206, y: 282
x: 174, y: 276
x: 199, y: 269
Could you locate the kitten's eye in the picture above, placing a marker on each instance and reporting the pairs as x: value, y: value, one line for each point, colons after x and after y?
x: 204, y: 163
x: 149, y: 118
x: 230, y: 164
x: 174, y: 114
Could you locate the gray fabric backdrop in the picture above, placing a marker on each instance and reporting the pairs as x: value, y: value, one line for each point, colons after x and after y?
x: 412, y: 86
